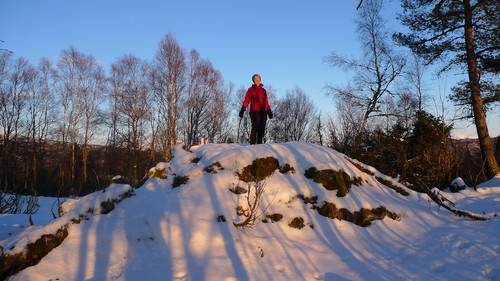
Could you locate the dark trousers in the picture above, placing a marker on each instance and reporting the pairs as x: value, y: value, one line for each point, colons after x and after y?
x: 258, y: 119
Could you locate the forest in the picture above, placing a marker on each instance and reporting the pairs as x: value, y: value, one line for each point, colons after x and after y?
x: 68, y: 126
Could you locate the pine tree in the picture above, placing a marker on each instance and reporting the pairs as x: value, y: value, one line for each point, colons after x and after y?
x: 464, y: 33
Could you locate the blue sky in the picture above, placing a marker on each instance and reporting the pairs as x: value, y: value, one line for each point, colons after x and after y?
x: 283, y: 40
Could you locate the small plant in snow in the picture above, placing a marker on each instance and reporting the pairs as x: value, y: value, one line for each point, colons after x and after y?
x: 253, y: 196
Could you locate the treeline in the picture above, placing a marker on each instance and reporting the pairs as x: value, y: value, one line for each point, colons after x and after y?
x: 68, y: 127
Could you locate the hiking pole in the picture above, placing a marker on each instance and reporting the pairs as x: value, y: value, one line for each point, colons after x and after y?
x: 239, y: 126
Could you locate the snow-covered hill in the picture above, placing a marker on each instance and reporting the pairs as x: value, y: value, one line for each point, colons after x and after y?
x: 321, y: 216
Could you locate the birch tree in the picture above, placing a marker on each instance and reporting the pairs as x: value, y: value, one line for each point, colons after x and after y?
x: 131, y: 94
x: 379, y: 67
x: 82, y: 91
x: 169, y: 81
x: 16, y: 81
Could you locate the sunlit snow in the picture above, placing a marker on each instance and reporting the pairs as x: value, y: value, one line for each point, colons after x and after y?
x: 165, y: 233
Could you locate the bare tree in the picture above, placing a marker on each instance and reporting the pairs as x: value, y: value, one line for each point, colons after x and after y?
x: 169, y: 81
x: 39, y: 118
x: 219, y: 110
x: 83, y: 87
x: 200, y: 89
x: 92, y: 98
x: 294, y: 117
x: 379, y: 67
x: 130, y: 92
x: 15, y: 84
x: 344, y: 129
x: 244, y: 124
x: 415, y: 79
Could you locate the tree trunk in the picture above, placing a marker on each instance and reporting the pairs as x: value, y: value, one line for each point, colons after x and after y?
x: 485, y: 143
x: 85, y: 157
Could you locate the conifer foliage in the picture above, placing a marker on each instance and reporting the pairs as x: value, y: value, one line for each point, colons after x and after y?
x: 463, y: 34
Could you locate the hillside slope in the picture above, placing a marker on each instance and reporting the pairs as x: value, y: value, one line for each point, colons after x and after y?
x: 341, y: 220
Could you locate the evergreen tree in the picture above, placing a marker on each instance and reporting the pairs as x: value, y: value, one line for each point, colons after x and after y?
x: 431, y: 156
x: 464, y: 33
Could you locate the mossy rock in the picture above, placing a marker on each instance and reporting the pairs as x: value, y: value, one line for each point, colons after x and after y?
x: 275, y: 217
x: 107, y: 206
x: 216, y: 166
x: 11, y: 264
x: 179, y: 180
x: 309, y: 173
x: 119, y: 180
x: 333, y: 180
x: 157, y: 173
x: 287, y: 168
x: 297, y: 222
x: 363, y: 217
x: 260, y: 169
x: 308, y: 200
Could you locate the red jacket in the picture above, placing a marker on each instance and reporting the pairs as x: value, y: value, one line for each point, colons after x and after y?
x: 257, y: 98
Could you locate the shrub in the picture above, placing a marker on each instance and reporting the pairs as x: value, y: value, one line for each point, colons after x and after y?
x: 253, y: 197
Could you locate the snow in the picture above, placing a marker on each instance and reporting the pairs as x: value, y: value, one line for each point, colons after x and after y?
x: 463, y: 137
x: 165, y: 233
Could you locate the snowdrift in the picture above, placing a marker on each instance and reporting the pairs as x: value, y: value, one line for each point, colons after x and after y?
x: 319, y: 216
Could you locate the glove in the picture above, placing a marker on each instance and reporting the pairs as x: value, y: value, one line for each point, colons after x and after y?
x: 270, y: 114
x: 241, y: 112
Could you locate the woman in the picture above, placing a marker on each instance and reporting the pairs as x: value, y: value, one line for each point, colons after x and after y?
x: 259, y: 109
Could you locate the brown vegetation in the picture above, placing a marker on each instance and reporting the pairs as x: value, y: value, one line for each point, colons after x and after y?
x: 333, y: 180
x: 363, y: 217
x: 180, y: 180
x: 260, y: 169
